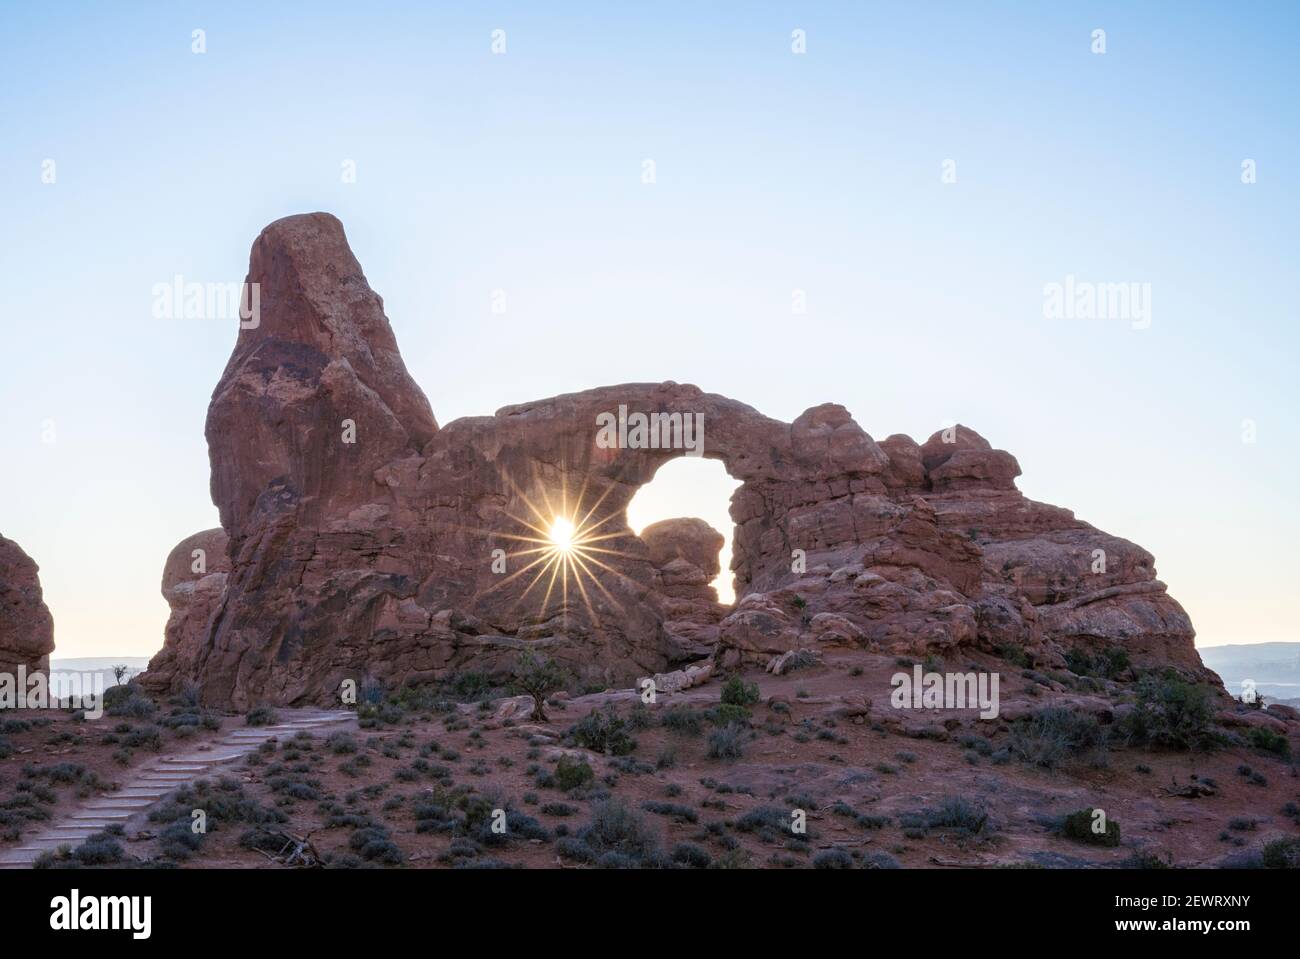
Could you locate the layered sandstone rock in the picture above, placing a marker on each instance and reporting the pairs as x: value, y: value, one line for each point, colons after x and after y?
x: 365, y: 541
x: 684, y: 553
x: 949, y: 553
x: 26, y: 627
x: 193, y: 583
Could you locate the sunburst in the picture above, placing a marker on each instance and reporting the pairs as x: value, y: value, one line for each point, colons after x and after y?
x: 563, y: 548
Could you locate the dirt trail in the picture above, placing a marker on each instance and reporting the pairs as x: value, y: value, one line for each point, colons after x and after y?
x: 162, y: 775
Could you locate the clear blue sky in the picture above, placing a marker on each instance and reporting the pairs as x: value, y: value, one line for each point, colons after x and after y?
x: 821, y: 172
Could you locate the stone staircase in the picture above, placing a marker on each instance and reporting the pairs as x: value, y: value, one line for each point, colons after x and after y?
x: 161, y: 776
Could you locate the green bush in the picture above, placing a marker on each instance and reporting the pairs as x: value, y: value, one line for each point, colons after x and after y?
x: 603, y: 731
x: 726, y: 713
x: 1015, y: 655
x: 682, y: 719
x: 737, y: 692
x: 1269, y: 741
x: 572, y: 774
x: 1078, y: 826
x: 1170, y: 713
x: 1109, y: 663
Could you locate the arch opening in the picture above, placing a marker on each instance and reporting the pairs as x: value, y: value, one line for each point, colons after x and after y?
x: 691, y: 487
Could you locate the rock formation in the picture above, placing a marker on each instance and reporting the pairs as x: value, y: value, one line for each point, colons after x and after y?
x: 684, y: 553
x: 364, y: 540
x: 193, y: 583
x: 26, y: 627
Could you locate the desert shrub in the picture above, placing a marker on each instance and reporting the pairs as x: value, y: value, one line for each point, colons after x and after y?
x: 1281, y: 854
x: 572, y: 774
x: 1266, y: 740
x: 179, y: 841
x: 737, y: 692
x: 295, y: 788
x: 1013, y: 654
x: 879, y: 860
x: 1050, y: 736
x: 571, y: 847
x: 1170, y: 713
x: 676, y: 811
x: 602, y: 731
x: 1145, y: 859
x: 614, y: 828
x: 469, y: 686
x: 374, y: 844
x: 862, y: 819
x: 518, y: 825
x: 373, y: 715
x: 691, y: 856
x: 957, y: 812
x: 979, y: 744
x: 100, y: 849
x: 128, y: 700
x: 682, y: 719
x: 1108, y: 664
x: 1079, y: 827
x: 65, y: 774
x: 186, y: 719
x: 223, y: 802
x: 771, y: 823
x: 340, y: 743
x: 348, y: 820
x: 434, y: 816
x: 640, y: 717
x: 728, y: 742
x: 142, y: 737
x: 261, y: 716
x: 833, y: 859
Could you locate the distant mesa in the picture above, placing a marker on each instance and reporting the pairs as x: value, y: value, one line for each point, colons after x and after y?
x: 360, y: 539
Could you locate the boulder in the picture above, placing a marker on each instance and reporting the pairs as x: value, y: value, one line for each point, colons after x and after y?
x: 26, y: 627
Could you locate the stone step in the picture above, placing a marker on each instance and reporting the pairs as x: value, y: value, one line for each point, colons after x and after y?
x: 207, y: 760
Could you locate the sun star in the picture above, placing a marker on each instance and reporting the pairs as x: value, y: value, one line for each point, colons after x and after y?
x: 565, y: 548
x: 562, y: 534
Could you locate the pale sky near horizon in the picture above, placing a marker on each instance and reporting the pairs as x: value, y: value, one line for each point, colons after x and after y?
x: 775, y: 172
